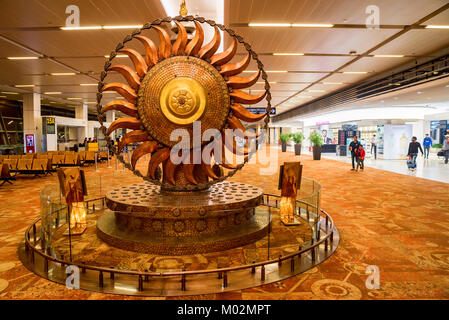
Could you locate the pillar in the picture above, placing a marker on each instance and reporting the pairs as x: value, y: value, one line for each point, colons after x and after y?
x: 32, y: 121
x: 81, y: 113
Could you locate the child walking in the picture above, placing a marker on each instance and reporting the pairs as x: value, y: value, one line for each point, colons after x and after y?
x: 360, y: 153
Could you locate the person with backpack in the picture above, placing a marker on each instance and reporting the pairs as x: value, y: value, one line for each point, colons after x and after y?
x: 413, y: 148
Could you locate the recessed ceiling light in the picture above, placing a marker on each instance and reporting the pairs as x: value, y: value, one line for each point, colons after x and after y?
x: 313, y: 90
x: 63, y: 73
x: 52, y: 92
x: 437, y: 27
x: 74, y: 98
x: 24, y: 85
x: 136, y: 26
x: 117, y: 56
x: 312, y: 25
x: 388, y: 56
x: 287, y: 54
x: 251, y: 24
x: 355, y: 72
x: 82, y: 28
x: 332, y: 82
x: 90, y: 102
x: 88, y: 84
x: 22, y: 58
x: 9, y: 92
x: 2, y: 96
x: 419, y: 92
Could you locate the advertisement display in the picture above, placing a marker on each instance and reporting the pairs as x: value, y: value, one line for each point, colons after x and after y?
x: 30, y: 144
x: 396, y: 141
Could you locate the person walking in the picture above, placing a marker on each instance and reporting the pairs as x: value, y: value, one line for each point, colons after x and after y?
x: 353, y: 147
x: 374, y: 146
x: 445, y: 149
x: 427, y: 143
x: 413, y: 148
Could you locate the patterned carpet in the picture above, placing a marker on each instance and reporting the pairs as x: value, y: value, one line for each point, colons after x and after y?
x: 396, y: 222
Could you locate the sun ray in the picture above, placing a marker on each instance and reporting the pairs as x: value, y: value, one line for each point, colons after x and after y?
x: 188, y: 172
x: 236, y: 82
x: 122, y: 106
x: 220, y: 59
x: 151, y: 56
x: 208, y: 170
x: 124, y: 90
x: 181, y: 41
x: 143, y: 149
x: 245, y: 98
x: 236, y: 124
x: 129, y: 74
x: 156, y: 159
x: 164, y: 43
x: 137, y: 59
x: 169, y: 171
x: 243, y: 114
x: 124, y: 123
x: 132, y: 137
x: 232, y: 69
x: 195, y: 44
x: 209, y: 49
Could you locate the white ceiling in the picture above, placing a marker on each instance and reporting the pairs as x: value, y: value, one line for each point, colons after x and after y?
x: 34, y: 24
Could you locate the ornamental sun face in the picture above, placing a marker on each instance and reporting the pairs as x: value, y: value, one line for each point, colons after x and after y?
x: 172, y: 87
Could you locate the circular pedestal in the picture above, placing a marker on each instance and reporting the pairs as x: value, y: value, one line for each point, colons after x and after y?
x: 147, y: 219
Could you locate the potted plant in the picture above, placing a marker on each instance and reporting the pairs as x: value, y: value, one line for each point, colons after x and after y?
x: 317, y: 141
x: 297, y: 139
x: 284, y: 137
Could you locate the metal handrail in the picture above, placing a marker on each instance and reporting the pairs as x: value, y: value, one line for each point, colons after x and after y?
x: 328, y: 236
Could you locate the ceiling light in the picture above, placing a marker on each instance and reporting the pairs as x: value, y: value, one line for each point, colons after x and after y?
x: 437, y: 27
x: 313, y: 90
x: 312, y: 25
x: 24, y: 85
x: 74, y: 98
x: 117, y: 56
x: 388, y: 56
x: 53, y: 92
x: 63, y: 73
x: 2, y: 96
x: 9, y: 92
x: 22, y: 58
x: 82, y: 28
x: 123, y: 27
x: 88, y: 84
x: 355, y: 72
x: 287, y: 54
x: 271, y: 82
x: 269, y: 24
x: 332, y: 82
x: 90, y: 102
x: 419, y: 92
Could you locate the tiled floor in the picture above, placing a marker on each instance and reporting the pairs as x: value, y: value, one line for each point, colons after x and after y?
x: 396, y: 222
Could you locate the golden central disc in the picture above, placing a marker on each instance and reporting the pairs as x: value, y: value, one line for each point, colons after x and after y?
x: 183, y: 100
x: 178, y: 91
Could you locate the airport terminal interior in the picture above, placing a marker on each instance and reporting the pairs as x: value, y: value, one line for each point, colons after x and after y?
x: 224, y: 149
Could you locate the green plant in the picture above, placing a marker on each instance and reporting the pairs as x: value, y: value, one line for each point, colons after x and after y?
x: 316, y: 139
x: 285, y: 137
x: 437, y: 145
x: 297, y: 137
